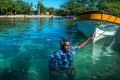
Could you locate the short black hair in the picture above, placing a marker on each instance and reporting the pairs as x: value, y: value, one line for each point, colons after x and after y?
x: 62, y: 42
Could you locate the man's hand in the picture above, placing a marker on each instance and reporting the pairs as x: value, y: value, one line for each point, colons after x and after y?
x: 86, y: 41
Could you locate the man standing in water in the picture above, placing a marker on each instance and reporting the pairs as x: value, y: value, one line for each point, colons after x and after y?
x: 62, y: 60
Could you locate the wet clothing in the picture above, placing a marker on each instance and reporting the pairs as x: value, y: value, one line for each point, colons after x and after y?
x: 62, y: 74
x: 60, y: 59
x: 61, y: 65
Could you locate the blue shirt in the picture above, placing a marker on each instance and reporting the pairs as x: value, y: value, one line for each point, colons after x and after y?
x: 60, y: 59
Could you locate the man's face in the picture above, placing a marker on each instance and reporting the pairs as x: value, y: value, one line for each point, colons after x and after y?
x: 67, y: 46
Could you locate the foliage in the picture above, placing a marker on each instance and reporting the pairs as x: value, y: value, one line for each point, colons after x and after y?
x: 42, y: 9
x: 74, y: 7
x: 71, y: 8
x: 14, y: 7
x: 103, y: 7
x: 51, y: 10
x: 114, y: 7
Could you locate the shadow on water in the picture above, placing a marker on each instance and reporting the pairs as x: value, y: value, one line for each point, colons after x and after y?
x: 108, y: 63
x: 18, y: 70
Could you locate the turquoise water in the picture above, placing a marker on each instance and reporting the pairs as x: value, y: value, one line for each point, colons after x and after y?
x: 25, y: 46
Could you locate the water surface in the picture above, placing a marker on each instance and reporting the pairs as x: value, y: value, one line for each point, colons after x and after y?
x: 25, y: 46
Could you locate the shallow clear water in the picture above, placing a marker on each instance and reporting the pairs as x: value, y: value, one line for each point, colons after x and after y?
x: 25, y: 46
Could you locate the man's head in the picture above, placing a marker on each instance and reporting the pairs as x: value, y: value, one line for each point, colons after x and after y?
x: 65, y: 45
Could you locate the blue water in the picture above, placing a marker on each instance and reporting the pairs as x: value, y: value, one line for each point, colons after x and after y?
x: 25, y: 46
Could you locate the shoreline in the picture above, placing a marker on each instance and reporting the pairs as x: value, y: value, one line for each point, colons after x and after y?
x: 29, y: 16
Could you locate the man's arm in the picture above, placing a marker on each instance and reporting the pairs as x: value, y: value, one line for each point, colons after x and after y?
x: 85, y: 42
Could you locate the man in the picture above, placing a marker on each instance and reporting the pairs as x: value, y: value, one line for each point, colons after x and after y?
x: 62, y: 59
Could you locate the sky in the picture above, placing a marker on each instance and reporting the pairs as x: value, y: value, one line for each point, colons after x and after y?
x: 47, y: 3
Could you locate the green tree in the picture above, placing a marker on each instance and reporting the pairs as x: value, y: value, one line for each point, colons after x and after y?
x: 114, y: 7
x: 103, y: 7
x: 14, y: 6
x: 40, y: 7
x: 51, y: 10
x: 71, y: 7
x: 5, y: 6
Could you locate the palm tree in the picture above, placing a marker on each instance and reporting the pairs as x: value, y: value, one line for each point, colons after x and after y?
x: 40, y: 7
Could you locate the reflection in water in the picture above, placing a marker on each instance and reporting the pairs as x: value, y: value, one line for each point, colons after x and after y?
x: 25, y: 46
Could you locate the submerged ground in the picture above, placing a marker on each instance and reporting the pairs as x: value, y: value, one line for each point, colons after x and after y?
x: 25, y: 46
